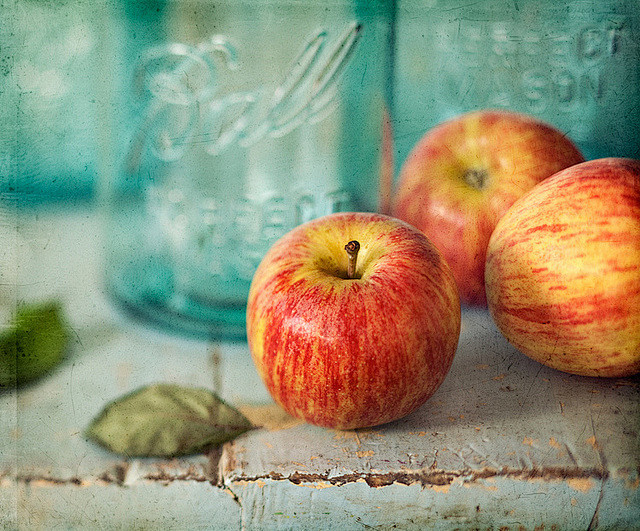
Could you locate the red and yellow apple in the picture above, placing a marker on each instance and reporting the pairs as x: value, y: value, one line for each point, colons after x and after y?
x: 563, y: 270
x: 350, y: 349
x: 464, y: 174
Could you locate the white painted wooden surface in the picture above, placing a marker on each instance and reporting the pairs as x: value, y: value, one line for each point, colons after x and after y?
x: 504, y: 442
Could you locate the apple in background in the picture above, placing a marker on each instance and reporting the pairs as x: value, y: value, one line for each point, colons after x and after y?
x: 350, y: 349
x: 464, y: 174
x: 563, y: 270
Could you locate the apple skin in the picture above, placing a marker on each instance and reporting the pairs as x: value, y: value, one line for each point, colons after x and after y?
x: 352, y: 353
x: 439, y: 193
x: 563, y: 270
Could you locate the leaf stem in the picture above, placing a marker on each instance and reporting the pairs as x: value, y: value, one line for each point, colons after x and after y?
x: 352, y: 249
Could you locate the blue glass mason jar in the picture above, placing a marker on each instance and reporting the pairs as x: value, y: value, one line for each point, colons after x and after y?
x: 574, y: 64
x: 226, y: 124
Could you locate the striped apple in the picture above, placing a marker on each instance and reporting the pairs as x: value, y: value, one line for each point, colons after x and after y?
x: 563, y: 270
x: 464, y: 174
x: 345, y: 349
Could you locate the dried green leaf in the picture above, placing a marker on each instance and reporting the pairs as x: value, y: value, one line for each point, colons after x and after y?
x: 164, y: 420
x: 35, y: 343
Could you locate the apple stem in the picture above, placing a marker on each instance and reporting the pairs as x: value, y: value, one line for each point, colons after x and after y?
x: 476, y: 177
x: 352, y: 249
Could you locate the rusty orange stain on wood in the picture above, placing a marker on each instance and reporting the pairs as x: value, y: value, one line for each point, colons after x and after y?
x: 581, y: 484
x: 529, y: 441
x: 365, y: 453
x: 554, y: 443
x: 499, y: 377
x: 319, y: 485
x: 356, y: 435
x: 593, y: 442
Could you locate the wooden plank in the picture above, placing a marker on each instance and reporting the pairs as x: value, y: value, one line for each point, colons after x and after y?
x: 145, y: 505
x: 525, y: 444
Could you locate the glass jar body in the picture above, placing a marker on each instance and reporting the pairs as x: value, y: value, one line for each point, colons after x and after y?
x: 231, y: 122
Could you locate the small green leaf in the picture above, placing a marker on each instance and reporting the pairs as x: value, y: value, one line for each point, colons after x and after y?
x: 34, y: 345
x: 164, y: 420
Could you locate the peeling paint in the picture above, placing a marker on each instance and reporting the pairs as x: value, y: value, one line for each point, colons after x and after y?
x: 577, y: 478
x: 116, y: 474
x: 44, y: 481
x: 228, y: 464
x: 167, y: 478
